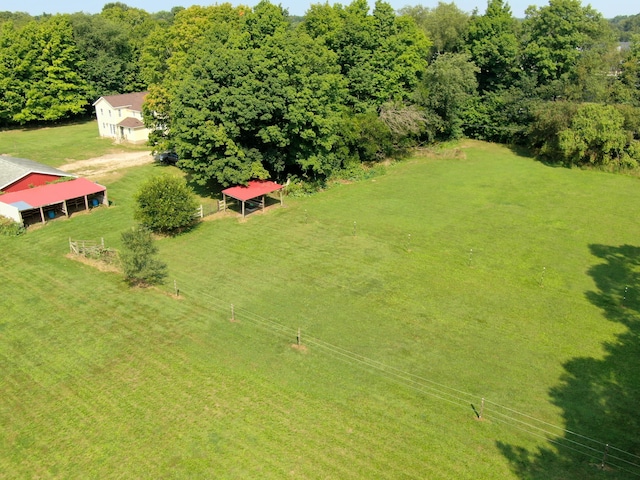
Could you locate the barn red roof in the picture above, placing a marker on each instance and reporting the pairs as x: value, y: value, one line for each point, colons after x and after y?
x: 254, y: 189
x: 52, y: 193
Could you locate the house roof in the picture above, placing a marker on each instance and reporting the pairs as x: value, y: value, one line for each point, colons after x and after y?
x: 13, y: 169
x: 254, y: 189
x: 133, y: 101
x: 51, y: 194
x: 131, y: 122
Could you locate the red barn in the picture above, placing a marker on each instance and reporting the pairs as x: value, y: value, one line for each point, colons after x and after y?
x: 29, y: 192
x: 19, y: 174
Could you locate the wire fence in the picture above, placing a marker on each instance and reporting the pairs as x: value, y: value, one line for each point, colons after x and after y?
x: 601, y: 454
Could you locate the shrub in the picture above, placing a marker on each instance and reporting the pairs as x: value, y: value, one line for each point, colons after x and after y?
x: 10, y: 228
x: 166, y: 204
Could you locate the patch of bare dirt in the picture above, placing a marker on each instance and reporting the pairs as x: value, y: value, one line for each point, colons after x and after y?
x: 95, y: 263
x: 107, y: 164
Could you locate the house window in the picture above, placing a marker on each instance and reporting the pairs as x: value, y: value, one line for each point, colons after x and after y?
x: 101, y: 112
x: 120, y: 113
x: 129, y: 131
x: 109, y: 112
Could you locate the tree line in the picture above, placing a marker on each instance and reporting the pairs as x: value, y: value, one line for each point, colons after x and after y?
x: 243, y: 93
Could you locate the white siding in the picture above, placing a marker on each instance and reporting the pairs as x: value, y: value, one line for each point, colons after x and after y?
x: 11, y: 212
x: 109, y: 117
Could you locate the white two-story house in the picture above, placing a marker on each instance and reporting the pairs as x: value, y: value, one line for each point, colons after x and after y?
x: 120, y: 117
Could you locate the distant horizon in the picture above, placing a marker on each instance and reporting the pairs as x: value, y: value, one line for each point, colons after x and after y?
x: 608, y: 9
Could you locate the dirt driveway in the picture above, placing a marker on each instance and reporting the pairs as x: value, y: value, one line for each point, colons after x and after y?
x: 107, y: 164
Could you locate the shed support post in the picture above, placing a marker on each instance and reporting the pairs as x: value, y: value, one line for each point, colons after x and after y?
x: 42, y: 214
x: 65, y: 209
x: 105, y: 199
x: 224, y: 202
x: 86, y: 203
x: 242, y: 208
x: 281, y: 198
x: 263, y: 201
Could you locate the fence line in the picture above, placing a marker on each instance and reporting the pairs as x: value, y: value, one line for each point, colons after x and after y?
x: 86, y: 247
x: 511, y: 418
x: 206, y: 209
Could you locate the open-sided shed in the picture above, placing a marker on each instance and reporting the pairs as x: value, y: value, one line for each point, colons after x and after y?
x: 253, y: 193
x: 38, y: 204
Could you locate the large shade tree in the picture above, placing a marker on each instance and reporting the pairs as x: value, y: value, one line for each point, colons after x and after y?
x: 258, y: 103
x: 382, y: 56
x: 40, y: 72
x: 108, y: 62
x: 449, y: 87
x: 557, y: 37
x: 445, y: 25
x: 492, y: 42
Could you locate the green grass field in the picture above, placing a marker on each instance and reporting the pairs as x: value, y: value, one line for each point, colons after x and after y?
x: 417, y: 293
x: 56, y: 146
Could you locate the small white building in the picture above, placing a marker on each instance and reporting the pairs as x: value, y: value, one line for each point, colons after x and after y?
x: 120, y: 117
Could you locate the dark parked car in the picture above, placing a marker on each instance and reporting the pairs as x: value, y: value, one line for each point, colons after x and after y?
x: 169, y: 158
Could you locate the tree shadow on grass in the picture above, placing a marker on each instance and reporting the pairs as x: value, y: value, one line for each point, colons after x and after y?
x: 600, y: 398
x: 528, y: 152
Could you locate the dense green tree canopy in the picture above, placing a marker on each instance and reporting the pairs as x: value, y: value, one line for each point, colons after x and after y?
x: 249, y: 92
x: 596, y: 136
x: 628, y: 88
x: 381, y: 55
x: 39, y: 66
x: 450, y: 84
x: 246, y: 112
x: 445, y: 26
x: 492, y: 41
x: 108, y: 62
x: 556, y: 36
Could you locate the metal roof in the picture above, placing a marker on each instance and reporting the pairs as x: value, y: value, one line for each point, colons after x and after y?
x: 51, y: 194
x: 13, y: 169
x: 254, y: 189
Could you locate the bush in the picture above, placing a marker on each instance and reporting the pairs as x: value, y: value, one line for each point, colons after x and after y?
x: 301, y: 188
x: 166, y: 204
x: 10, y: 228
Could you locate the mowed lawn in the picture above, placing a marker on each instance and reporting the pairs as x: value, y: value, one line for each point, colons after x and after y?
x: 417, y: 293
x: 56, y: 146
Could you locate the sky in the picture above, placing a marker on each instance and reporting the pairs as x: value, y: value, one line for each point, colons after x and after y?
x: 608, y: 8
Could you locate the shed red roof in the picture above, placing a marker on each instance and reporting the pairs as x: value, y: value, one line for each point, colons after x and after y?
x: 51, y: 194
x: 254, y: 189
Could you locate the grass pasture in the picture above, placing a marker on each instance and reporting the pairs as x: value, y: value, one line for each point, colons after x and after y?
x: 417, y: 294
x: 56, y: 146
